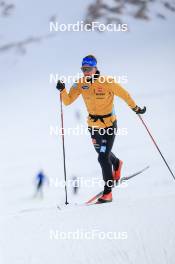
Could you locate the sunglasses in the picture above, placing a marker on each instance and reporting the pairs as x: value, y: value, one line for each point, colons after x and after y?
x: 87, y: 69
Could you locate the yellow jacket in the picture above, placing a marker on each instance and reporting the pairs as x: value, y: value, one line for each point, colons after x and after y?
x: 98, y: 98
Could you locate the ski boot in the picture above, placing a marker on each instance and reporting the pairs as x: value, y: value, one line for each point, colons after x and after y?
x: 105, y: 198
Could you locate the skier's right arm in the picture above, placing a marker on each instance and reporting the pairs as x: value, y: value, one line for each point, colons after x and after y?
x: 70, y: 97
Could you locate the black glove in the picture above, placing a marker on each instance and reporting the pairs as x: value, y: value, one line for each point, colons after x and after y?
x: 139, y: 110
x: 60, y: 85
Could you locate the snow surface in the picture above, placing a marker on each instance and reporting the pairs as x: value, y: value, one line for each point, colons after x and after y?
x: 144, y: 209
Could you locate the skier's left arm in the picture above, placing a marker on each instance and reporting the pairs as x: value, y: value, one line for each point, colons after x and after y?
x: 119, y: 91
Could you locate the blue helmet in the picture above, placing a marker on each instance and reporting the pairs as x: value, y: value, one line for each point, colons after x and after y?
x: 89, y: 61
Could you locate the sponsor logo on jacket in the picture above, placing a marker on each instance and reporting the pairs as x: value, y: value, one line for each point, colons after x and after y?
x: 85, y: 87
x: 100, y: 90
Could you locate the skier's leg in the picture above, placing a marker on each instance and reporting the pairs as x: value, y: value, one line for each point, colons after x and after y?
x: 104, y: 158
x: 38, y: 188
x: 115, y: 161
x: 41, y: 193
x: 96, y: 139
x: 106, y: 167
x: 117, y: 164
x: 99, y: 143
x: 103, y: 145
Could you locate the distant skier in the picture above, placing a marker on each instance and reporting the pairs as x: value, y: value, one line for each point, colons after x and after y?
x: 40, y: 180
x: 75, y: 184
x: 98, y: 94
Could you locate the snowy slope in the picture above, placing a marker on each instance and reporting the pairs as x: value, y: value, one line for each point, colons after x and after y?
x: 30, y: 105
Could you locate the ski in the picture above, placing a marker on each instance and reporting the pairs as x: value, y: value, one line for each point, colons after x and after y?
x: 95, y: 197
x: 91, y: 201
x: 133, y: 175
x: 123, y: 179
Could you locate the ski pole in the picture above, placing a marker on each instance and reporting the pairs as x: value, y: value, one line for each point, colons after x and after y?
x: 156, y: 146
x: 64, y: 155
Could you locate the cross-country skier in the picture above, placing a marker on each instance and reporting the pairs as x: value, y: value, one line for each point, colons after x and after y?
x: 98, y: 93
x: 40, y: 179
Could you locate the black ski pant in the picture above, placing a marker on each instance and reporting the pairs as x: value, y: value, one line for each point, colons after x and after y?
x: 103, y: 140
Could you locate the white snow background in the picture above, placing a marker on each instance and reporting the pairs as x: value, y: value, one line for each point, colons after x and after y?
x: 30, y: 105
